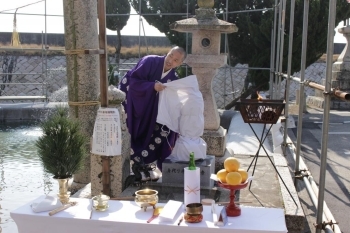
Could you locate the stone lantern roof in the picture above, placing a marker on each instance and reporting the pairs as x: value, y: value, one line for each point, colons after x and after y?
x: 205, y: 19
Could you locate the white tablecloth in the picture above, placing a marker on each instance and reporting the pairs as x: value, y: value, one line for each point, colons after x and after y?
x: 126, y: 217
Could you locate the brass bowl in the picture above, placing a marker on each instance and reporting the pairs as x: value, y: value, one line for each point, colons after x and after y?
x: 146, y: 197
x: 194, y: 208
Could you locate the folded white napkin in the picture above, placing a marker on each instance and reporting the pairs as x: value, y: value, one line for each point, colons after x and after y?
x: 47, y: 203
x: 169, y: 211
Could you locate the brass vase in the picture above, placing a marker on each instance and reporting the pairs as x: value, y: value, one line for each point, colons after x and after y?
x: 63, y: 193
x: 205, y: 3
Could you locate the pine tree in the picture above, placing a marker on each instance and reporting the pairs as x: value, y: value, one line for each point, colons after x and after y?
x: 117, y: 22
x: 62, y: 147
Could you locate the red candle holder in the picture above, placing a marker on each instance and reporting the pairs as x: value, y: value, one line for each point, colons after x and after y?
x: 232, y: 209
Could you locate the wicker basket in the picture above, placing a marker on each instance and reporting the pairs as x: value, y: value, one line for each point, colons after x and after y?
x: 263, y: 111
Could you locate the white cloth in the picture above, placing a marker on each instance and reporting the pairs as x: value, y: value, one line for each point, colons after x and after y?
x: 127, y: 216
x: 181, y: 108
x: 47, y: 203
x: 184, y: 145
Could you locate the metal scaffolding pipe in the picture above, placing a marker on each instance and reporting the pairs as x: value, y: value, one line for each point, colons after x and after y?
x: 326, y: 210
x: 276, y: 93
x: 326, y: 109
x: 314, y: 201
x: 342, y: 95
x: 11, y: 84
x: 312, y: 195
x: 289, y: 68
x: 311, y: 190
x: 302, y: 75
x: 273, y: 47
x: 30, y: 49
x: 337, y: 93
x: 283, y: 17
x: 271, y: 66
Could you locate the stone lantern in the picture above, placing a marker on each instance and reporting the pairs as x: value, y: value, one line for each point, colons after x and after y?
x: 340, y: 77
x: 205, y: 59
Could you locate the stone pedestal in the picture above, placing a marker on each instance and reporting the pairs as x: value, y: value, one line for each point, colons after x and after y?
x: 216, y: 141
x: 173, y: 172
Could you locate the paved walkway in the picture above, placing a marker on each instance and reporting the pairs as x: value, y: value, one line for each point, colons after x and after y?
x: 241, y: 139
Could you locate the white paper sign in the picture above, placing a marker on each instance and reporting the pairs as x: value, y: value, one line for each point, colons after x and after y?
x: 107, y: 137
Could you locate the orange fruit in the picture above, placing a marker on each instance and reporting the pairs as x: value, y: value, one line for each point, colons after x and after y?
x: 233, y: 178
x: 231, y: 164
x: 244, y: 174
x: 221, y: 175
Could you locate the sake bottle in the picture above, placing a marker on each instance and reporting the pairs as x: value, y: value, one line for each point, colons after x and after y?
x: 191, y: 165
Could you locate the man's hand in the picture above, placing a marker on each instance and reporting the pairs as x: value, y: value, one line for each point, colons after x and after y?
x: 159, y: 87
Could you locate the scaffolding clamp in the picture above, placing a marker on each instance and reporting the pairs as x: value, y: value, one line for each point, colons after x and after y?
x: 331, y: 92
x: 306, y: 82
x: 324, y: 224
x: 301, y: 174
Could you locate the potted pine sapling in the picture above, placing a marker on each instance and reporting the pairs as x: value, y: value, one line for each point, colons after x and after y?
x: 61, y: 149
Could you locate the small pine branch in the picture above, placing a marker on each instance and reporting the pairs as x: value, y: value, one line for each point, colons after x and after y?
x: 61, y: 148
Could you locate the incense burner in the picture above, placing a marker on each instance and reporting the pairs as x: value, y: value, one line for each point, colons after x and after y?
x: 146, y: 197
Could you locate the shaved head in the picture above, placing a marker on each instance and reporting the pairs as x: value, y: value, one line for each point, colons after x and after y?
x: 181, y: 51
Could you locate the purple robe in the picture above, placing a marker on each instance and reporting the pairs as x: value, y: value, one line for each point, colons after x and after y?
x: 150, y: 141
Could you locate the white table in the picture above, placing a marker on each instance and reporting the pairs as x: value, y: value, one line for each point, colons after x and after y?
x: 126, y: 216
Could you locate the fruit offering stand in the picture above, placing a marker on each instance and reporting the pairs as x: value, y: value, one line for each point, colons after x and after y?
x: 262, y: 112
x: 232, y: 209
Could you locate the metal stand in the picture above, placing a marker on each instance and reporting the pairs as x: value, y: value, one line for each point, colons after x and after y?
x: 262, y: 112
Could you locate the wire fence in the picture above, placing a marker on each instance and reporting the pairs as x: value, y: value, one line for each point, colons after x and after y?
x: 26, y: 77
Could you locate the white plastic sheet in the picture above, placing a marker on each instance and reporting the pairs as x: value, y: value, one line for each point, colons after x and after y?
x: 181, y: 108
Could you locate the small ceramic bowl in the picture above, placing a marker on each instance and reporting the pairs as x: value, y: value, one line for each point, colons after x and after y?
x: 100, y: 202
x: 194, y: 208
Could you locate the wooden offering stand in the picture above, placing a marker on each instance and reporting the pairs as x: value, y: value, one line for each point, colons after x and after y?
x: 232, y: 209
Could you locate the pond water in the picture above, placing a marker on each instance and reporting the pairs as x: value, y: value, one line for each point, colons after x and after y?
x: 22, y: 177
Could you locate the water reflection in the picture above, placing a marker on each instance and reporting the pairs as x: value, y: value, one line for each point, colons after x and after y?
x: 22, y: 177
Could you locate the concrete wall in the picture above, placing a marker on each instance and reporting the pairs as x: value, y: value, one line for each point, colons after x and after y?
x: 58, y: 39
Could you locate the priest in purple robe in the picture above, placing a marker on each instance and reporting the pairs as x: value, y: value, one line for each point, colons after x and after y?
x: 150, y: 141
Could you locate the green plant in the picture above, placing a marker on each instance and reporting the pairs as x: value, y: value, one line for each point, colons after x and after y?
x: 111, y: 78
x: 61, y: 148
